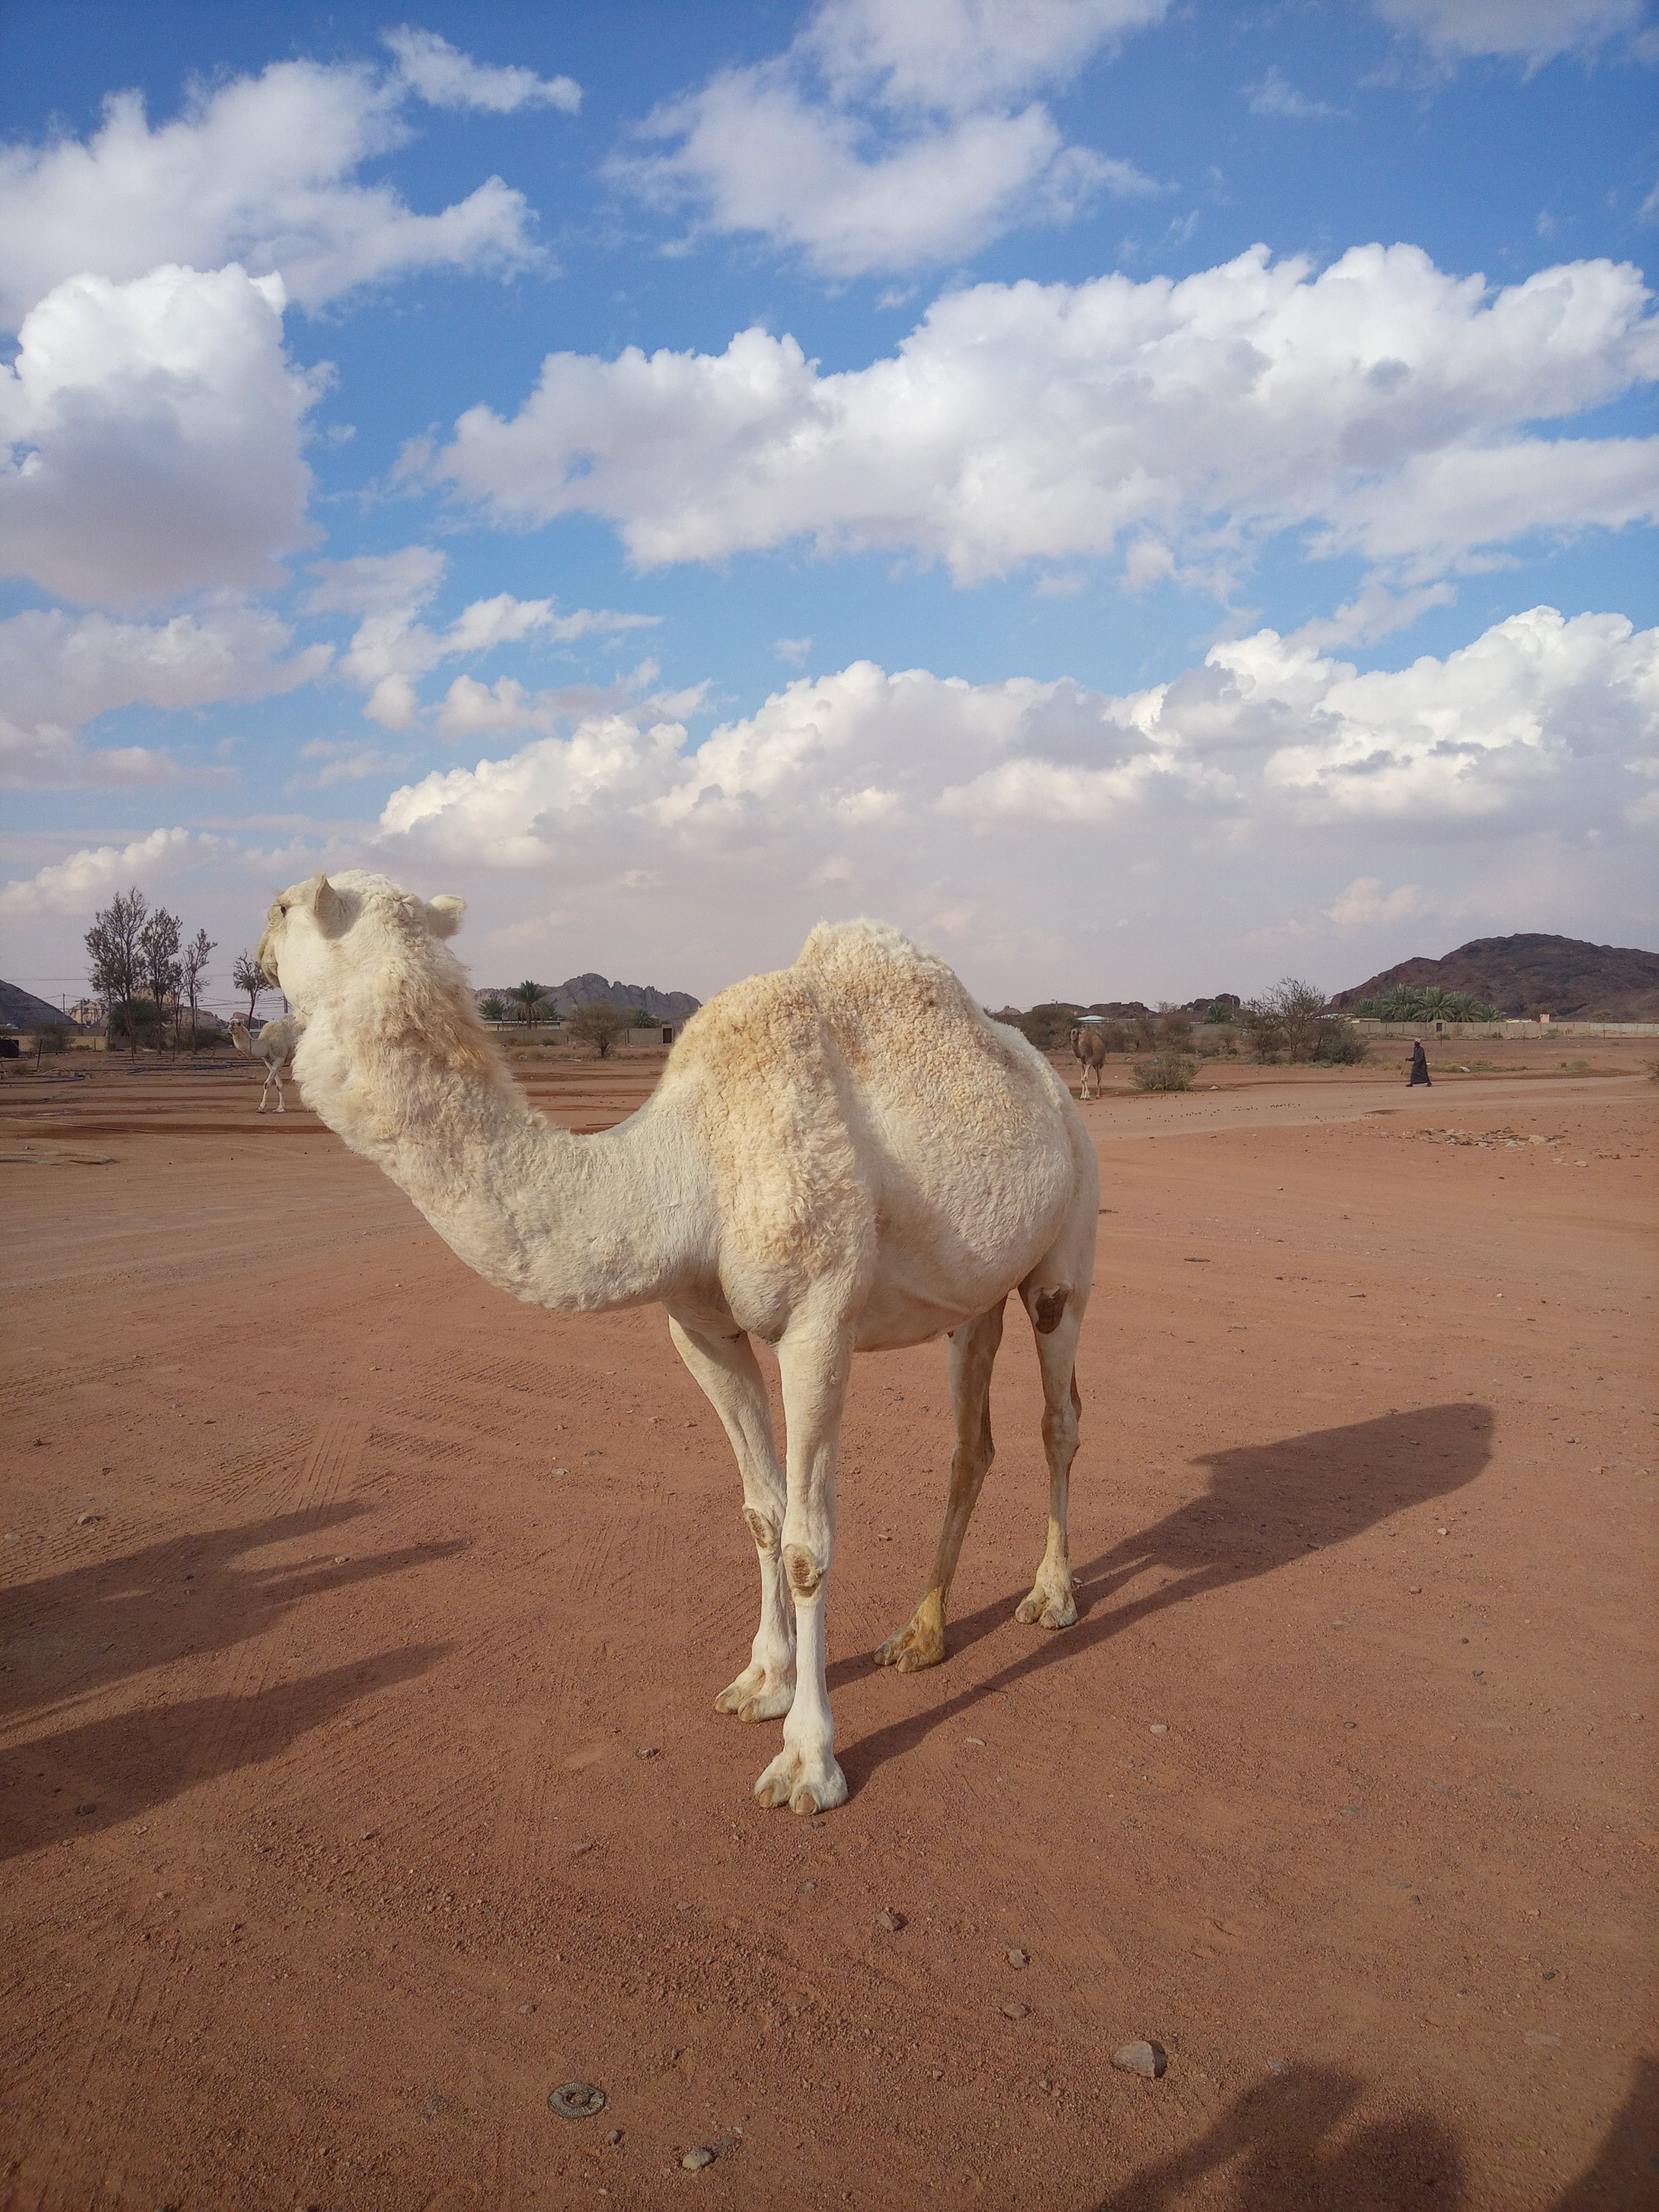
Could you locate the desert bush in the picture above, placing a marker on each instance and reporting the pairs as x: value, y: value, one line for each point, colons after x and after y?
x: 1293, y: 1022
x: 1170, y: 1070
x: 1340, y: 1045
x: 598, y: 1024
x: 1048, y: 1026
x: 1175, y: 1028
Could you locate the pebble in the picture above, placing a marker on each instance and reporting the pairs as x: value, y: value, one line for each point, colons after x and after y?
x: 1015, y: 2011
x: 1142, y: 2057
x: 1160, y: 1727
x: 614, y: 2138
x: 531, y: 2006
x: 647, y: 1751
x: 694, y: 2161
x: 889, y: 1921
x: 1279, y: 2065
x: 86, y: 1519
x: 977, y: 1742
x: 90, y: 1806
x: 1540, y: 2040
x: 1017, y: 1958
x: 807, y: 1887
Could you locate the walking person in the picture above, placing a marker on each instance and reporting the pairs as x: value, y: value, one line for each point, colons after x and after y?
x: 1419, y: 1064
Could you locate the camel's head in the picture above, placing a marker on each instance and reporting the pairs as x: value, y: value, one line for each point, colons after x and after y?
x: 325, y: 937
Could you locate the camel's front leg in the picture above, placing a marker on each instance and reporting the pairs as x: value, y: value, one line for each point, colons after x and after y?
x: 724, y: 1370
x: 814, y: 1364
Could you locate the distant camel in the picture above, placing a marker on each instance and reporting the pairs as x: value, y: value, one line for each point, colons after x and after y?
x: 274, y: 1045
x: 1089, y: 1043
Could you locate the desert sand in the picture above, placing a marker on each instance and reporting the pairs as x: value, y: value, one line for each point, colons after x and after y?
x: 360, y: 1785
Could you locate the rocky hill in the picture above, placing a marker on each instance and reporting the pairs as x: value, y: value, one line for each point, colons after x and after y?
x: 582, y: 990
x: 1531, y: 974
x: 21, y: 1010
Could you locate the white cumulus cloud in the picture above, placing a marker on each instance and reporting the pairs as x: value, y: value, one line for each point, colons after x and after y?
x: 150, y: 436
x: 1016, y: 822
x: 74, y: 885
x: 392, y: 648
x: 59, y: 671
x: 889, y: 138
x: 1529, y: 31
x: 443, y: 77
x: 1032, y: 421
x: 262, y: 171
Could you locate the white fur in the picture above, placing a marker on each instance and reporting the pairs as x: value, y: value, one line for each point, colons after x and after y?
x: 274, y: 1045
x: 845, y: 1155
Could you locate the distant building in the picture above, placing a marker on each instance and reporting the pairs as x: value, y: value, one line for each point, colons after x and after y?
x: 89, y: 1012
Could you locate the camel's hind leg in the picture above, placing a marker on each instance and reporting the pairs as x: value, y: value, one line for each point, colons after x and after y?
x: 275, y: 1077
x: 1056, y: 1312
x: 921, y: 1642
x: 726, y: 1370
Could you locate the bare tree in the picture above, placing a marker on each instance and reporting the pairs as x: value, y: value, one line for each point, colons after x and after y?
x: 113, y: 957
x: 1294, y: 1022
x: 249, y: 976
x: 599, y: 1024
x: 193, y: 966
x: 158, y: 947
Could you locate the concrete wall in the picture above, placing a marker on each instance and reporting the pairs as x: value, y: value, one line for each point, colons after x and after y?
x: 1455, y: 1032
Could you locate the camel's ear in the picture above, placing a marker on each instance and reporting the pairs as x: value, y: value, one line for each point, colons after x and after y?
x: 443, y: 913
x: 328, y: 906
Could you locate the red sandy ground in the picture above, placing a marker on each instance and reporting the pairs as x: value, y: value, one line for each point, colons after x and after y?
x: 329, y: 1841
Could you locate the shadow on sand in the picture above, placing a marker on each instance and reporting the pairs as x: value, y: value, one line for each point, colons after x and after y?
x: 70, y: 1635
x: 83, y: 1779
x: 1281, y: 2132
x: 1266, y: 1505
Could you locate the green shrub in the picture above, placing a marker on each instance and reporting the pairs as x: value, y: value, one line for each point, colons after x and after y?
x: 1340, y: 1046
x: 1169, y: 1071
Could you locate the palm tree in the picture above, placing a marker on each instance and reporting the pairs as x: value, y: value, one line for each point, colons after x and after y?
x: 529, y: 996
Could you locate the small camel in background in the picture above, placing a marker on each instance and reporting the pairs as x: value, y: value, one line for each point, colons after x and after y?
x: 1089, y: 1045
x: 274, y: 1045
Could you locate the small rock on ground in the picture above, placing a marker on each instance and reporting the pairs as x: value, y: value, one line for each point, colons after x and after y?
x: 1141, y: 2058
x: 1016, y: 2011
x: 1017, y: 1958
x: 694, y: 2161
x: 889, y: 1921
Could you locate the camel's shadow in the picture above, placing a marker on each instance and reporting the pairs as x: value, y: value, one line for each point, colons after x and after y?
x: 1266, y: 1505
x: 89, y: 1627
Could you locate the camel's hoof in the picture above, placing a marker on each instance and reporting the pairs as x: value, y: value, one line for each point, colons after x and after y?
x: 756, y: 1696
x: 1048, y: 1611
x: 912, y: 1649
x: 807, y: 1785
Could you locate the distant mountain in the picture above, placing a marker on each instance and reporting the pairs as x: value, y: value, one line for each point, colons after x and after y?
x: 21, y: 1010
x: 1529, y: 973
x: 582, y: 990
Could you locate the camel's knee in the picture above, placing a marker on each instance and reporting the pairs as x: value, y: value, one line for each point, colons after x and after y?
x: 764, y: 1532
x: 1048, y: 1308
x: 805, y: 1570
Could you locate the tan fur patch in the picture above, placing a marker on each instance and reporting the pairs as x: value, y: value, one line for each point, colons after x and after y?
x: 803, y: 1570
x: 763, y: 1531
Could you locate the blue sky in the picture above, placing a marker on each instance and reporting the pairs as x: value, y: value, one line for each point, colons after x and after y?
x: 1145, y: 497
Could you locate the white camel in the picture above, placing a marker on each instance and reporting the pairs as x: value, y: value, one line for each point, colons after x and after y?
x: 847, y: 1156
x: 274, y: 1045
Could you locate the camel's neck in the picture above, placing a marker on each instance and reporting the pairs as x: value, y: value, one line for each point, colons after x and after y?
x: 575, y: 1223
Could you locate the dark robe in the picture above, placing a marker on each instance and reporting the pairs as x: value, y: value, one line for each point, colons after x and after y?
x: 1420, y: 1066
